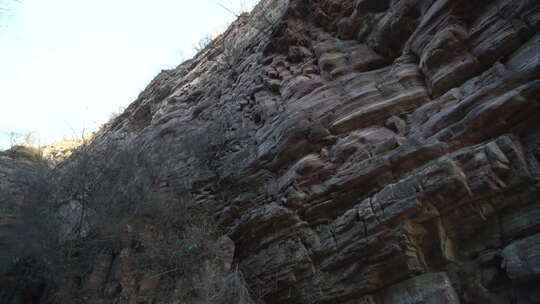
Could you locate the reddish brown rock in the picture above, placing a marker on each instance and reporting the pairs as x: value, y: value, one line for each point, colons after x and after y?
x: 362, y: 151
x: 387, y: 152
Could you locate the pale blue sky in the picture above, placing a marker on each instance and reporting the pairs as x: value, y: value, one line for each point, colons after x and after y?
x: 66, y: 65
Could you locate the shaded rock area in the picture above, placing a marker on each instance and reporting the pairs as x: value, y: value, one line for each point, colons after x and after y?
x: 14, y: 163
x: 24, y: 283
x: 374, y: 152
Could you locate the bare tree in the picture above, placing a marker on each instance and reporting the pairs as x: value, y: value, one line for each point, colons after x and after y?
x: 241, y: 9
x: 13, y: 138
x: 203, y: 43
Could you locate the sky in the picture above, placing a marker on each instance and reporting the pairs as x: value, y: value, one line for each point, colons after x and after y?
x: 67, y: 65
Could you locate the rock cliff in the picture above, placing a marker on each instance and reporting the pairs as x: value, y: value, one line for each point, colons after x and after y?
x: 364, y: 151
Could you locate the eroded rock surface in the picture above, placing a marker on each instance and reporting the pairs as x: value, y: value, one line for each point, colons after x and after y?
x: 367, y: 151
x: 362, y: 151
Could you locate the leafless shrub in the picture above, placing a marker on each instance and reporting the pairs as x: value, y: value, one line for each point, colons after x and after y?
x: 231, y: 52
x: 232, y: 47
x: 28, y: 139
x: 103, y: 200
x: 203, y: 43
x: 241, y: 8
x: 262, y: 20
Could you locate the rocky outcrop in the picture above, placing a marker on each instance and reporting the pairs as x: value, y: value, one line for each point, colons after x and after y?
x: 15, y: 163
x: 58, y: 151
x: 361, y: 151
x: 24, y: 283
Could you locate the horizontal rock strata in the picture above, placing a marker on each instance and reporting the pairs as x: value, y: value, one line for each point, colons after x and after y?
x: 362, y: 151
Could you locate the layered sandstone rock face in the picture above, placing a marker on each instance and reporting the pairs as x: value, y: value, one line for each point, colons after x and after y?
x: 368, y: 151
